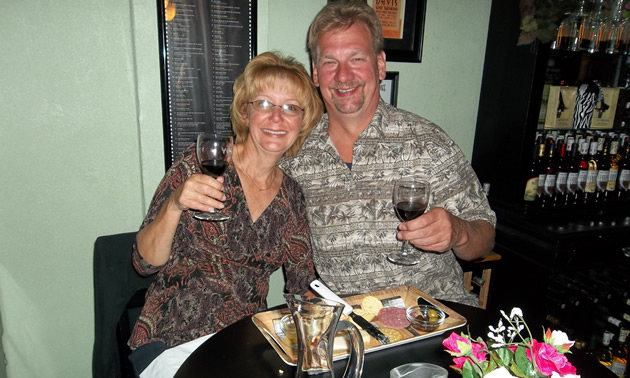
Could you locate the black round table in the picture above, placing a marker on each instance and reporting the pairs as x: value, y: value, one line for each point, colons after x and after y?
x: 240, y: 350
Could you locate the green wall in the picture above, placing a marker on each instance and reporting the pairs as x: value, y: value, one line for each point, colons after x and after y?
x: 81, y: 145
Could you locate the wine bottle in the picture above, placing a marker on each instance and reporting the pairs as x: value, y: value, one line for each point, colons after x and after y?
x: 531, y: 181
x: 562, y: 169
x: 617, y: 327
x: 550, y: 177
x: 604, y: 352
x: 603, y: 173
x: 619, y: 350
x: 619, y: 284
x: 594, y: 279
x: 611, y: 187
x: 562, y: 298
x: 561, y: 305
x: 583, y: 172
x: 542, y: 174
x: 623, y: 183
x: 573, y: 169
x: 590, y: 188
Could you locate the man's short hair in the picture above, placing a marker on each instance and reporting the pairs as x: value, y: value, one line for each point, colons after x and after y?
x: 342, y: 15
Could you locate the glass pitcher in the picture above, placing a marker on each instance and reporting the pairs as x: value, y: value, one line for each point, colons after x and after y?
x: 317, y: 321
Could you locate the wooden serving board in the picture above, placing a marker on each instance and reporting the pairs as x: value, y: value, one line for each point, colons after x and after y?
x: 268, y: 323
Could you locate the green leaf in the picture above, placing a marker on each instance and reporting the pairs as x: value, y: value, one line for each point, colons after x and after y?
x: 491, y: 365
x: 505, y: 355
x: 479, y: 340
x: 516, y: 370
x: 464, y: 348
x: 468, y: 371
x: 524, y: 364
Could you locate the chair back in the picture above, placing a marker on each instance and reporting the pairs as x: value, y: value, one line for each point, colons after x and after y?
x: 115, y: 283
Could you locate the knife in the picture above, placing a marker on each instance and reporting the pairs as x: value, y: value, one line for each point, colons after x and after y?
x: 326, y: 293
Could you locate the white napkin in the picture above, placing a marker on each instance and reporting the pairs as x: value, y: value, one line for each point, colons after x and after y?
x: 166, y: 364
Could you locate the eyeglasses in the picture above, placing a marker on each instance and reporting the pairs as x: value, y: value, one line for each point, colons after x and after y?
x: 266, y: 106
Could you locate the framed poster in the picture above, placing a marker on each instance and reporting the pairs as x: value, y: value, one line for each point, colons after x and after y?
x: 389, y: 88
x: 204, y: 45
x: 403, y: 28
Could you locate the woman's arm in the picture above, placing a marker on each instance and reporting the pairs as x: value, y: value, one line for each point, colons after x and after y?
x: 154, y: 241
x: 180, y: 189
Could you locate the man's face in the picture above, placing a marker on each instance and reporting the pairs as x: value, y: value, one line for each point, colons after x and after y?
x: 348, y: 72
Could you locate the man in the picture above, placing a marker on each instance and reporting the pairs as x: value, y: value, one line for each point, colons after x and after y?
x: 349, y: 163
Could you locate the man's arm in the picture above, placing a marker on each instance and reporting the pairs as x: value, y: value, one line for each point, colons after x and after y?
x: 439, y: 231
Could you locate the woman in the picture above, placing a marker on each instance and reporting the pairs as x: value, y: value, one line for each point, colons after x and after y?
x: 211, y: 274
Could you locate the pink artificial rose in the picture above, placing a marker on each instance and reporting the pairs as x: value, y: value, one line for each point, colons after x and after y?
x: 451, y: 342
x: 479, y: 351
x: 459, y: 361
x: 548, y: 359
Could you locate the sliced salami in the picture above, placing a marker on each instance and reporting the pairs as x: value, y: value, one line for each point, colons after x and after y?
x: 393, y: 317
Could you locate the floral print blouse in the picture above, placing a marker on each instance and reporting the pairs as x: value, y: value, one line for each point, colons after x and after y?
x: 218, y: 272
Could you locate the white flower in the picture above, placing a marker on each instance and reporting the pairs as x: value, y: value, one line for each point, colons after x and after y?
x: 560, y: 338
x: 516, y: 312
x: 500, y: 328
x: 513, y: 332
x: 500, y: 372
x: 504, y: 315
x: 497, y: 338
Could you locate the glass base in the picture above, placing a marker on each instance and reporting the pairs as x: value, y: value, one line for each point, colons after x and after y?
x: 404, y: 258
x: 210, y: 216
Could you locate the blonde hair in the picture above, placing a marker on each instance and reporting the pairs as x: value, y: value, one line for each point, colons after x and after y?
x: 342, y: 15
x: 265, y: 71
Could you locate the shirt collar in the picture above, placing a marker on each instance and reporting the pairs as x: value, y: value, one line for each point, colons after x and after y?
x: 376, y: 125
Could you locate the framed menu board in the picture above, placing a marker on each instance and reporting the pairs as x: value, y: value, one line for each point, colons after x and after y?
x: 204, y: 46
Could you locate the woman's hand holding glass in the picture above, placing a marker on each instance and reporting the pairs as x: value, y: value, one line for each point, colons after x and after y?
x: 214, y: 152
x: 199, y: 192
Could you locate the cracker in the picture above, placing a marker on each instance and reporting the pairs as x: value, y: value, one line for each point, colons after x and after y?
x: 369, y: 316
x: 392, y: 334
x: 371, y: 304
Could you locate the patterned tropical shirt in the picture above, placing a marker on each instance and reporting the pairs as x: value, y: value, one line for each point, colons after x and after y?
x: 218, y: 272
x: 351, y: 215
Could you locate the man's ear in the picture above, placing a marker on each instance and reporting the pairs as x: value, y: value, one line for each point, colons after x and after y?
x: 315, y: 76
x: 381, y: 64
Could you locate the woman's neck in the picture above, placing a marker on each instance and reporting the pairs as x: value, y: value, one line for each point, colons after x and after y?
x: 260, y: 169
x: 256, y: 164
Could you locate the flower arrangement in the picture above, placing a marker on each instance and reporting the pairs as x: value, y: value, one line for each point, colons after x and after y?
x: 511, y: 352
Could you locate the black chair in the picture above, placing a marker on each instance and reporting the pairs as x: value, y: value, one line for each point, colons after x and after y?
x: 118, y: 298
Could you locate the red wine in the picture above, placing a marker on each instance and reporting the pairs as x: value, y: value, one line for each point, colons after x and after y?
x: 214, y: 168
x: 409, y: 210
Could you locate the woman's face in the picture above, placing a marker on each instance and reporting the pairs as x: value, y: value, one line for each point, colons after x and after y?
x: 274, y: 130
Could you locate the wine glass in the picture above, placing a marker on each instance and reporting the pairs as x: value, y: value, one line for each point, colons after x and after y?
x: 411, y: 197
x: 214, y: 151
